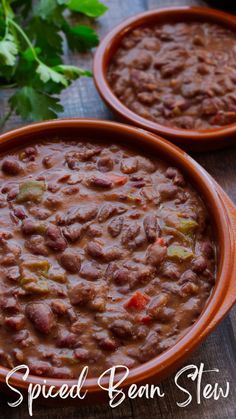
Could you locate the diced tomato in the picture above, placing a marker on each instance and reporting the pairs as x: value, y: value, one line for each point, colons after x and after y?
x: 137, y: 302
x: 144, y: 319
x: 161, y: 241
x: 118, y: 180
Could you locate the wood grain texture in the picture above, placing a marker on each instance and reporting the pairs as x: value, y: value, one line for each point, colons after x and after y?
x: 219, y: 350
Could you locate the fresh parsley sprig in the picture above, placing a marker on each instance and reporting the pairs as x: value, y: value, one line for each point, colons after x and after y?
x: 31, y: 52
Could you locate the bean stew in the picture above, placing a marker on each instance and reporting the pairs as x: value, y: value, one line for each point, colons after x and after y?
x: 179, y: 75
x: 107, y: 257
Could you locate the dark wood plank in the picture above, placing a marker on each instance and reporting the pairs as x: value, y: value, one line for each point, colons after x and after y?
x: 219, y: 350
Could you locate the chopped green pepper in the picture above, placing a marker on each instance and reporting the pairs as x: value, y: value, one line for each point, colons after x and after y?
x: 39, y: 267
x: 187, y: 225
x: 68, y: 357
x: 37, y: 287
x: 31, y: 190
x: 34, y: 276
x: 57, y: 275
x: 179, y: 252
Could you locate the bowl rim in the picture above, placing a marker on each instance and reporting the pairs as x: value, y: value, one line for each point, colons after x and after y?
x: 112, y: 40
x: 207, y: 188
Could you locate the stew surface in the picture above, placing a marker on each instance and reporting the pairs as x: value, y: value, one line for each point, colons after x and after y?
x: 180, y: 74
x: 106, y: 257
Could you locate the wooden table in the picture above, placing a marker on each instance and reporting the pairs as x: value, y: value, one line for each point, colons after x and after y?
x: 219, y: 350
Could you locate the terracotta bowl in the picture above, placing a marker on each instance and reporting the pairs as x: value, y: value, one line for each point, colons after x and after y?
x: 222, y: 213
x: 194, y: 140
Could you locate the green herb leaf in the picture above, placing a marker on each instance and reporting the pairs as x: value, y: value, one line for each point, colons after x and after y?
x: 81, y: 38
x: 34, y: 105
x: 91, y: 8
x: 29, y: 53
x: 49, y: 10
x: 46, y: 74
x: 71, y: 72
x: 48, y: 38
x: 8, y: 50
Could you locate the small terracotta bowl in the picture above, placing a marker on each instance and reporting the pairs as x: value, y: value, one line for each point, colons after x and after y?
x: 223, y: 216
x: 193, y: 140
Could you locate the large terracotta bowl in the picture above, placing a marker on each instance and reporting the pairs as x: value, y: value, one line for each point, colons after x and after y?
x: 194, y: 140
x: 223, y: 216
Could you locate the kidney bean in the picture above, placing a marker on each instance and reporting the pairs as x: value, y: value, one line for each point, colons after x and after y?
x: 59, y: 307
x: 49, y: 161
x: 156, y: 305
x: 141, y: 81
x: 170, y: 270
x: 20, y: 213
x: 199, y: 264
x: 99, y: 182
x: 129, y: 165
x: 112, y: 253
x: 109, y: 210
x: 71, y: 260
x: 90, y: 271
x: 156, y: 253
x: 175, y: 175
x: 40, y: 213
x: 73, y: 233
x: 150, y: 348
x: 189, y: 289
x: 29, y: 227
x: 94, y: 230
x: 39, y: 367
x: 168, y: 191
x: 15, y: 323
x: 67, y: 340
x: 151, y: 227
x: 62, y: 373
x: 123, y: 329
x: 207, y: 249
x: 79, y: 214
x: 122, y: 276
x: 11, y: 167
x: 29, y: 154
x: 82, y: 354
x: 10, y: 305
x: 130, y: 234
x: 105, y: 164
x: 95, y: 250
x: 171, y: 69
x: 21, y: 336
x: 81, y: 293
x: 104, y: 341
x: 188, y: 276
x: 54, y: 239
x: 13, y: 274
x: 36, y: 245
x: 115, y: 226
x: 41, y: 316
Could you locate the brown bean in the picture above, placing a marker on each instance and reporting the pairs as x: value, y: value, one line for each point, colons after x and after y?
x: 71, y: 260
x: 123, y: 329
x: 104, y: 341
x: 151, y: 227
x: 156, y: 253
x: 105, y: 164
x: 11, y: 167
x: 36, y: 245
x: 41, y: 316
x: 54, y: 239
x: 115, y: 226
x: 81, y: 294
